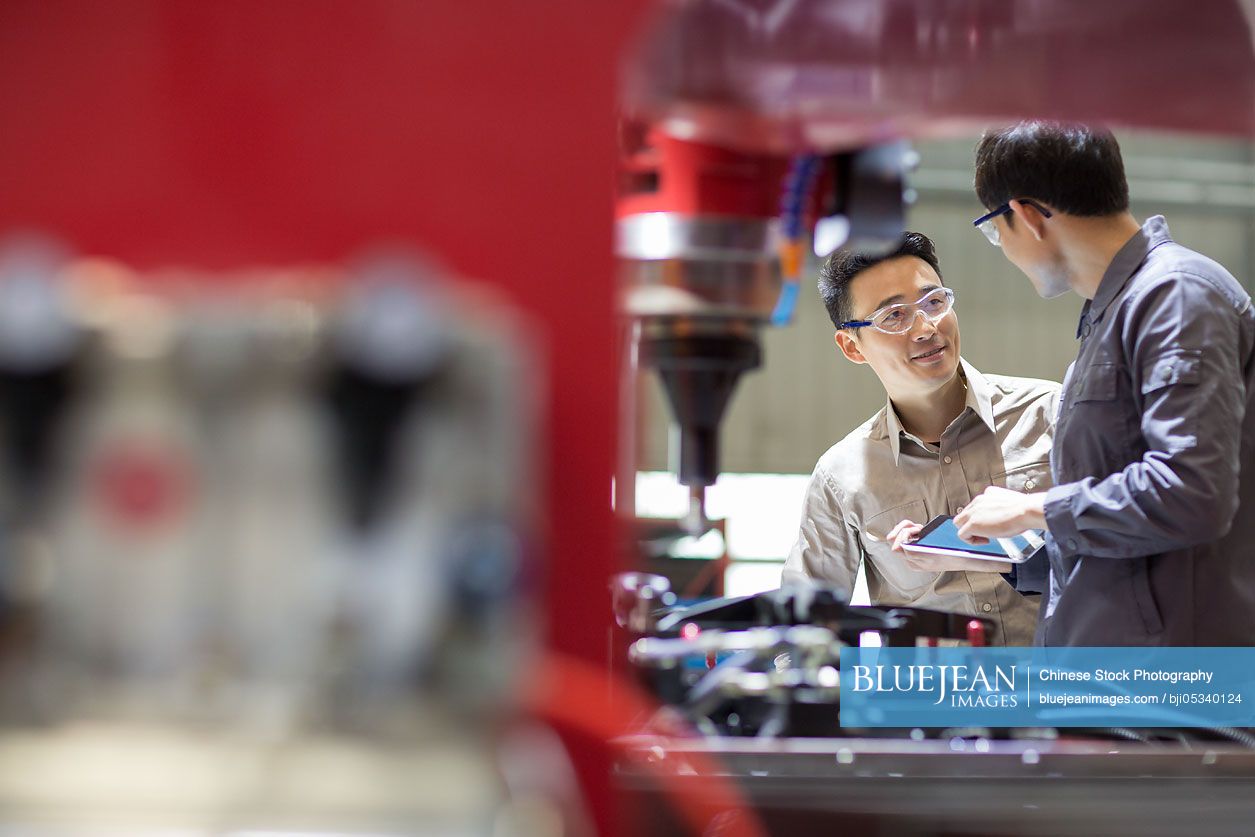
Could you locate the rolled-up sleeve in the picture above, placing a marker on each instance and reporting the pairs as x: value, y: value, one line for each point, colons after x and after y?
x: 1182, y: 341
x: 827, y: 549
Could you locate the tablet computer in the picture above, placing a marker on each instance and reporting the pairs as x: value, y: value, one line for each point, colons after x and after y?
x: 941, y: 537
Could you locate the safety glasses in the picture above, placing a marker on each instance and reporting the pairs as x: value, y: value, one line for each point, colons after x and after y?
x: 985, y: 223
x: 900, y: 317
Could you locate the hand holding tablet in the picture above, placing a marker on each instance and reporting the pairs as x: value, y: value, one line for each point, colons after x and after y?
x: 937, y: 547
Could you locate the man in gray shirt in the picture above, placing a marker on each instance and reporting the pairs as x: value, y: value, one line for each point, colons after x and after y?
x: 945, y: 434
x: 1152, y: 516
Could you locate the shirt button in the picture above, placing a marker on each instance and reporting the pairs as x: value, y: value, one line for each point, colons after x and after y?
x: 1029, y: 484
x: 986, y: 607
x: 947, y: 460
x: 959, y: 509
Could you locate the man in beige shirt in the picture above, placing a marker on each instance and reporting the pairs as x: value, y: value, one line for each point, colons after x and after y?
x: 946, y: 434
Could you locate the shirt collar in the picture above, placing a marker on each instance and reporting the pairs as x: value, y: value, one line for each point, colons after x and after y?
x: 979, y: 394
x: 979, y: 400
x: 1127, y: 260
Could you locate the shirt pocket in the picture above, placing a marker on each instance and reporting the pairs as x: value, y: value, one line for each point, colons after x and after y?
x: 888, y: 565
x: 1095, y: 436
x: 1034, y: 476
x: 1101, y: 383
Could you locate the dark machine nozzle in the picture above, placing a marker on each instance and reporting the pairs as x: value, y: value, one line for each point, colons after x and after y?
x: 699, y: 374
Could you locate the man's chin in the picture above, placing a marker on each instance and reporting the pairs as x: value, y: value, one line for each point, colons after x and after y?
x: 1049, y: 284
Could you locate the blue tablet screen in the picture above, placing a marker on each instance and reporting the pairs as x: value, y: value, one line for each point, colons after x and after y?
x: 946, y: 536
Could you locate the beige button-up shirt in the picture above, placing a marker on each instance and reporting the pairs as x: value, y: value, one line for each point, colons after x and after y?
x: 880, y: 474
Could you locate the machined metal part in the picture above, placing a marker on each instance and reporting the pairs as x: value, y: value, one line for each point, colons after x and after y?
x: 958, y: 756
x: 769, y: 672
x: 691, y: 266
x: 658, y: 236
x: 660, y: 651
x: 636, y: 598
x: 672, y: 327
x: 696, y: 522
x: 681, y: 288
x: 773, y: 659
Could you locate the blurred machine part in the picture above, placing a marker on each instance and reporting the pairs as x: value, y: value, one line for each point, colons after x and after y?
x: 790, y: 76
x: 636, y: 598
x: 40, y: 344
x: 250, y: 363
x: 289, y: 512
x: 431, y: 419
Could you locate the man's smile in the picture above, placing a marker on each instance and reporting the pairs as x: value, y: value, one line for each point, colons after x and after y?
x: 933, y: 355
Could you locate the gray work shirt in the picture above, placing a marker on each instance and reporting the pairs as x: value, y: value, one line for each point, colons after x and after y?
x: 880, y: 474
x: 1152, y: 514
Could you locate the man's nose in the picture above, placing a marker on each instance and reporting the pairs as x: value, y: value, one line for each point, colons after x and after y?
x: 927, y: 330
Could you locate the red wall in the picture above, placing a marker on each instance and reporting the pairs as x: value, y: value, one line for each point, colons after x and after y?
x: 227, y: 134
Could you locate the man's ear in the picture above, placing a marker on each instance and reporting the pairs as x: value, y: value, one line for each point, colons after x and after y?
x: 849, y: 347
x: 1030, y: 217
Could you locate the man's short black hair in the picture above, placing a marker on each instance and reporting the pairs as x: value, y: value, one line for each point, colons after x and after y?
x: 1072, y: 168
x: 843, y: 265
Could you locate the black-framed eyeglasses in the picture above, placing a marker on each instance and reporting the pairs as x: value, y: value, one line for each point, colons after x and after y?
x: 985, y: 223
x: 900, y: 317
